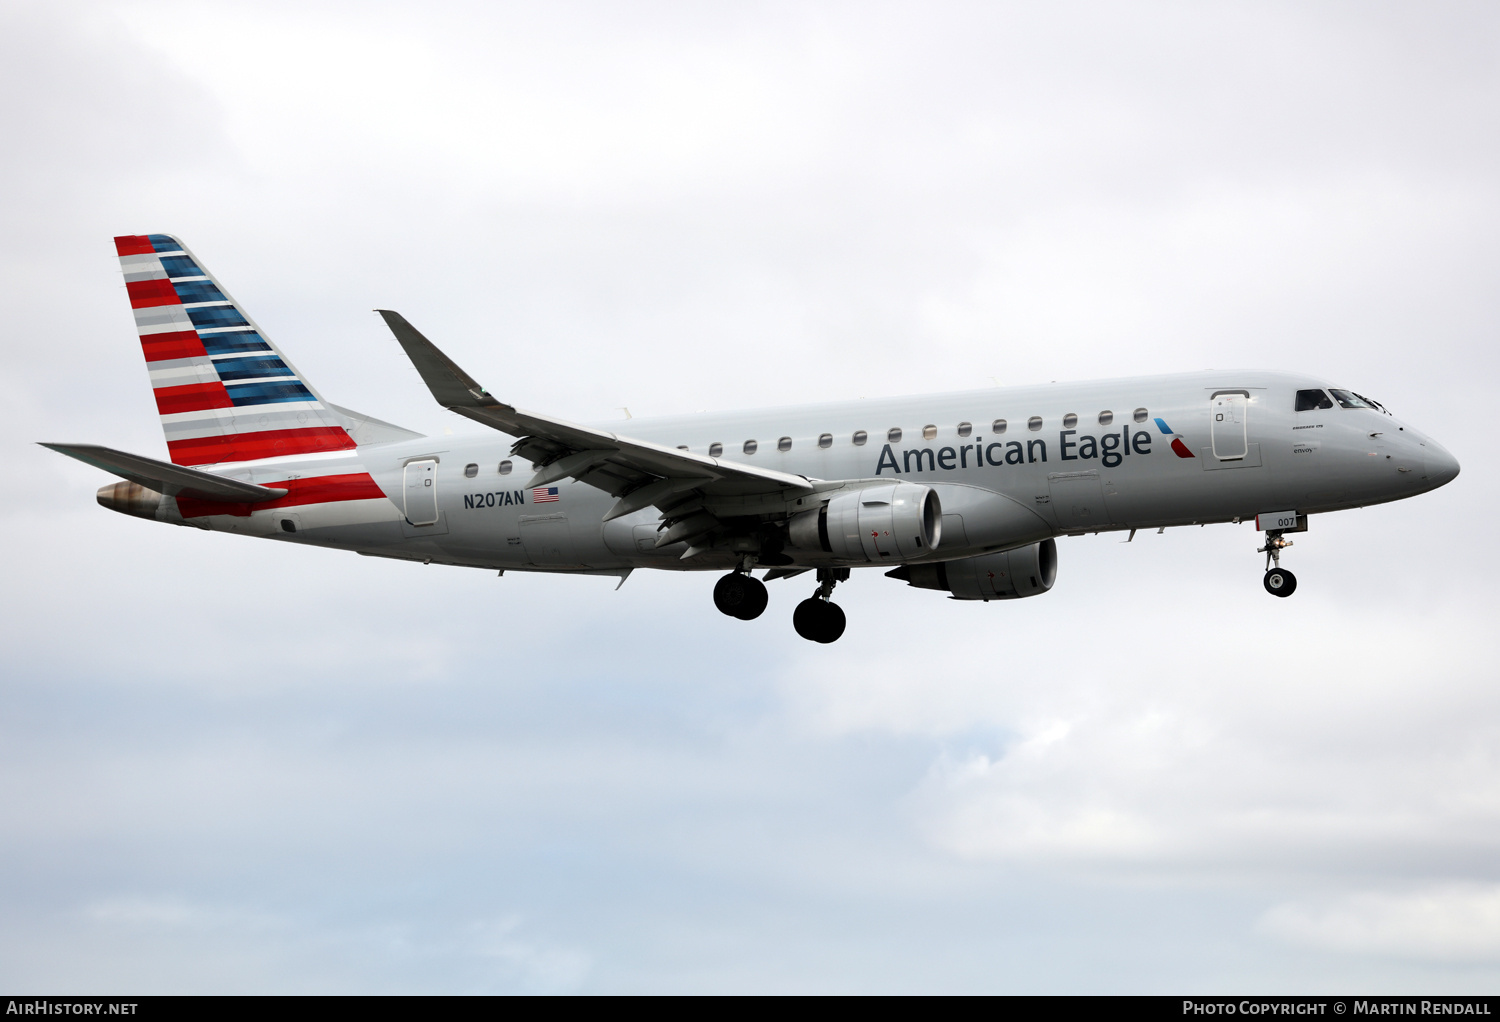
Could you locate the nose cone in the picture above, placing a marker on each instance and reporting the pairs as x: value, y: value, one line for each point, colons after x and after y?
x: 1441, y: 466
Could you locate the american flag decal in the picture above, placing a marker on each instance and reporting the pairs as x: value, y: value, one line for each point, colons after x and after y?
x: 543, y: 494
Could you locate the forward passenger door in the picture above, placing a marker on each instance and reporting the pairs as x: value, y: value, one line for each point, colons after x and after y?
x: 1227, y: 424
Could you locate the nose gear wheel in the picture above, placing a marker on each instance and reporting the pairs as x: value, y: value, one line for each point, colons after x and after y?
x: 1278, y: 581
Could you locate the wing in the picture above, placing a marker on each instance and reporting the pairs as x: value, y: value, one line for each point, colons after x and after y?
x: 695, y: 492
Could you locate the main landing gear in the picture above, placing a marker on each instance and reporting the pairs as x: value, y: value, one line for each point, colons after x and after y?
x: 1278, y: 581
x: 740, y: 594
x: 815, y: 618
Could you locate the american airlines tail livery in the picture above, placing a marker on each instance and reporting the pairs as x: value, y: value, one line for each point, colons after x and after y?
x: 961, y: 493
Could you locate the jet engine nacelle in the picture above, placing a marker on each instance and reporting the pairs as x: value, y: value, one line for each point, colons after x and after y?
x: 887, y: 523
x: 1012, y: 575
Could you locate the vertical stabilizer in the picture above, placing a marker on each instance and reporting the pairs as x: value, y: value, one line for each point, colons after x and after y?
x: 224, y: 391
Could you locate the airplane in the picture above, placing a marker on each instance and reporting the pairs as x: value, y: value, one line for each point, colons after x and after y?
x: 962, y: 493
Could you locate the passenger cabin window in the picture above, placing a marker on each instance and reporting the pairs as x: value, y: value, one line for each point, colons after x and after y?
x: 1106, y: 417
x: 1312, y: 400
x: 893, y: 435
x: 784, y: 444
x: 715, y: 450
x: 965, y: 428
x: 825, y: 440
x: 750, y: 446
x: 1349, y: 399
x: 1141, y: 415
x: 860, y: 436
x: 1034, y: 423
x: 470, y: 471
x: 929, y: 432
x: 505, y: 467
x: 1070, y: 421
x: 682, y: 447
x: 998, y: 426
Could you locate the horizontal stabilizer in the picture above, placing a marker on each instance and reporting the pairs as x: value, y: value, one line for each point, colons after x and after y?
x: 167, y: 478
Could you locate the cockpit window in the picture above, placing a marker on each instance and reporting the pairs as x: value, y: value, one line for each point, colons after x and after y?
x: 1308, y: 400
x: 1348, y: 399
x: 1371, y: 402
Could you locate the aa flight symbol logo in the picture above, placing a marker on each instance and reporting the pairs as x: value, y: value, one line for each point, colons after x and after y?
x: 1178, y: 447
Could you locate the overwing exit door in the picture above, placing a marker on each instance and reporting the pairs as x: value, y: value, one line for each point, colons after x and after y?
x: 1227, y: 425
x: 421, y: 492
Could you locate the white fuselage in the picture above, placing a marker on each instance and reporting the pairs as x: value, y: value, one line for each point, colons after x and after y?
x: 1250, y: 454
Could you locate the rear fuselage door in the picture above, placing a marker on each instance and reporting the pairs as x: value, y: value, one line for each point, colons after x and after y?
x: 1227, y: 425
x: 421, y: 492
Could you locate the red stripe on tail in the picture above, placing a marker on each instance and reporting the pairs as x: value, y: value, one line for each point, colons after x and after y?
x: 270, y: 443
x: 318, y: 490
x: 193, y: 397
x: 133, y: 244
x: 177, y: 344
x: 145, y: 294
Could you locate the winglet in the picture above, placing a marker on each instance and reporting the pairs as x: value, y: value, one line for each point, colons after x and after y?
x: 450, y: 385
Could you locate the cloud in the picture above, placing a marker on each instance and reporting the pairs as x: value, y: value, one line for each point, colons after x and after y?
x: 224, y: 947
x: 1444, y: 922
x: 1146, y: 751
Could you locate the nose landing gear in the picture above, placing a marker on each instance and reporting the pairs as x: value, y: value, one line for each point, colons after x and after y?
x: 740, y: 594
x: 816, y: 619
x: 1278, y: 581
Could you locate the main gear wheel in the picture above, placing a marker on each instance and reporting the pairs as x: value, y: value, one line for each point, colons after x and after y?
x: 818, y: 620
x: 740, y: 595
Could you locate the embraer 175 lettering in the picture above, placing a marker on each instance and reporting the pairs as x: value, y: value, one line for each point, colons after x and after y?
x: 961, y: 493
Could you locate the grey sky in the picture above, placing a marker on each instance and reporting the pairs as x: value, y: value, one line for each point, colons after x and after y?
x: 236, y: 766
